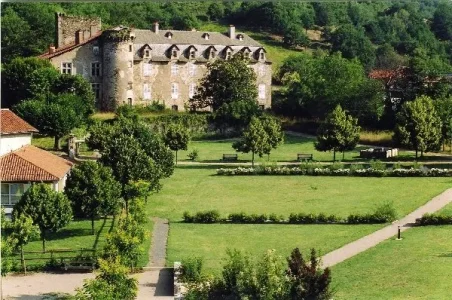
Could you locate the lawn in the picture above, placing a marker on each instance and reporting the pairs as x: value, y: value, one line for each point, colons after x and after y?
x: 77, y: 235
x: 195, y: 189
x: 210, y: 241
x: 417, y: 267
x: 446, y: 210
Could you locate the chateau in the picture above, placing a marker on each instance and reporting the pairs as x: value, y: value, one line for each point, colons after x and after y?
x: 139, y: 66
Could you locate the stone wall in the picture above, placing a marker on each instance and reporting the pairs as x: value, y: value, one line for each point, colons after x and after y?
x: 67, y: 26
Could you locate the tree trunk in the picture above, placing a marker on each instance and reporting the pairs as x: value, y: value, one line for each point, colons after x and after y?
x: 343, y: 155
x: 252, y: 159
x: 43, y: 237
x: 334, y: 155
x: 22, y: 259
x: 92, y: 225
x: 176, y: 157
x: 416, y: 152
x: 56, y: 144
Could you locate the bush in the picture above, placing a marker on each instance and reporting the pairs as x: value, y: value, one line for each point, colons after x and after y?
x: 210, y: 216
x: 237, y: 218
x: 377, y: 165
x: 385, y: 212
x: 193, y: 155
x: 435, y: 219
x: 188, y: 218
x: 191, y: 270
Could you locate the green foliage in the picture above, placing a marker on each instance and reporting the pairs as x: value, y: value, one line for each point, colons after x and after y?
x: 295, y: 36
x: 444, y: 109
x: 442, y: 21
x: 191, y: 270
x: 385, y: 212
x: 111, y: 283
x: 435, y: 219
x: 307, y: 280
x: 339, y: 132
x: 193, y: 155
x: 22, y: 231
x: 176, y: 138
x: 229, y: 88
x: 418, y: 126
x: 254, y: 139
x: 275, y: 134
x: 49, y: 210
x: 93, y: 191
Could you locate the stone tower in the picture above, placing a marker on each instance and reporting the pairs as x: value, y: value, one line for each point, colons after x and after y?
x: 118, y: 57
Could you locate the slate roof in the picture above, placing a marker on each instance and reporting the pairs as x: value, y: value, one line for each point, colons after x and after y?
x: 10, y: 123
x: 30, y: 163
x: 146, y: 36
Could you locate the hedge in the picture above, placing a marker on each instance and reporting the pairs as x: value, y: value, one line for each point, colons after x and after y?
x: 212, y: 216
x: 327, y: 171
x: 434, y: 219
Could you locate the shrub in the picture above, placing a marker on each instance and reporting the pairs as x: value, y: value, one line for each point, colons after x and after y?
x: 188, y: 218
x: 435, y: 219
x: 385, y: 212
x: 191, y: 270
x: 237, y: 218
x: 377, y: 165
x: 193, y: 155
x: 210, y: 216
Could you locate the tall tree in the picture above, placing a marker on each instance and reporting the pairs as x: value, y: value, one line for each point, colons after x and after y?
x: 442, y: 21
x: 229, y: 88
x: 418, y: 126
x: 22, y: 231
x: 176, y: 138
x: 93, y: 191
x: 444, y: 109
x: 254, y: 139
x: 339, y: 132
x: 49, y: 210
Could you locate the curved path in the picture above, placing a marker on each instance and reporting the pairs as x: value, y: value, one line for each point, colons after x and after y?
x: 379, y: 236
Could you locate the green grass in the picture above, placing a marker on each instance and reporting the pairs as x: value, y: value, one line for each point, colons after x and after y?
x: 417, y: 267
x: 192, y: 189
x: 210, y: 241
x: 213, y: 150
x: 446, y: 210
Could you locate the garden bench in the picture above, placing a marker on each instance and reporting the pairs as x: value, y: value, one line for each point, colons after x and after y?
x: 230, y: 157
x: 83, y: 265
x: 307, y: 157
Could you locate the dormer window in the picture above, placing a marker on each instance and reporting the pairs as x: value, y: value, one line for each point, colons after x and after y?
x: 192, y: 54
x: 174, y: 53
x: 246, y: 52
x: 262, y: 55
x: 227, y: 53
x: 240, y: 37
x: 169, y: 35
x: 206, y: 36
x: 147, y: 53
x: 210, y: 52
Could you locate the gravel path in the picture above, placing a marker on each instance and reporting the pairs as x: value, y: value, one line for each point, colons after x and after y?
x: 379, y: 236
x: 159, y: 240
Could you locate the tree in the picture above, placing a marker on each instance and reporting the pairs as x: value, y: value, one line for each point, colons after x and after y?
x: 49, y: 210
x: 129, y: 163
x: 339, y: 132
x: 93, y: 191
x: 254, y: 139
x: 295, y: 36
x: 418, y: 126
x: 272, y: 127
x: 229, y: 88
x: 444, y: 109
x: 111, y: 283
x: 442, y: 21
x: 176, y: 138
x: 215, y: 11
x: 56, y: 117
x: 22, y: 231
x: 307, y: 280
x: 16, y: 35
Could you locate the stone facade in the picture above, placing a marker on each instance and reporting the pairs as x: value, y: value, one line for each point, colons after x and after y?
x: 137, y: 67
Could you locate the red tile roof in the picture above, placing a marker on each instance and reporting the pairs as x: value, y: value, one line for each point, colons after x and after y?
x: 388, y: 75
x: 69, y: 47
x: 30, y: 163
x: 10, y: 123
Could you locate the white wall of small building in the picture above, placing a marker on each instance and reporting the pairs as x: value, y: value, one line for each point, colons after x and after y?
x: 12, y: 142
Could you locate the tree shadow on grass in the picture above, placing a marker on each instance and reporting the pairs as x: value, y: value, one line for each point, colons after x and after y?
x: 99, y: 231
x: 67, y: 233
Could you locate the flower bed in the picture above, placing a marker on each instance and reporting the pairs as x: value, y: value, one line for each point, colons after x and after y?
x: 328, y: 171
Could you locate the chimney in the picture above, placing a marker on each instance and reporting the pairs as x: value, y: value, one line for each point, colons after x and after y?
x: 78, y: 37
x: 155, y: 27
x: 232, y: 32
x: 51, y: 49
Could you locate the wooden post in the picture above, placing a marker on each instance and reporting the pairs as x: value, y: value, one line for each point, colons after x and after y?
x: 22, y: 259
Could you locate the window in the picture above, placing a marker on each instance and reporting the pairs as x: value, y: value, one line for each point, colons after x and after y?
x: 96, y: 50
x: 147, y: 53
x: 146, y: 92
x: 130, y: 86
x: 228, y: 55
x: 174, y: 91
x: 262, y: 55
x: 261, y: 70
x: 191, y: 90
x: 96, y: 90
x: 174, y: 53
x: 192, y: 69
x: 174, y: 69
x: 12, y: 192
x: 212, y: 53
x: 174, y: 107
x: 130, y: 48
x: 129, y: 101
x: 66, y: 68
x: 246, y: 54
x: 192, y: 54
x: 261, y: 91
x: 147, y: 69
x: 95, y: 69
